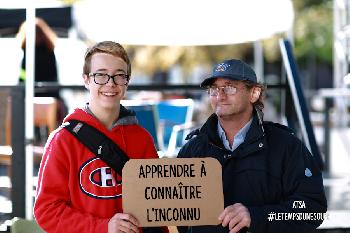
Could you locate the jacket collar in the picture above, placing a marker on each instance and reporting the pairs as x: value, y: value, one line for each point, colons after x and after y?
x: 209, y: 128
x: 126, y: 116
x: 254, y: 140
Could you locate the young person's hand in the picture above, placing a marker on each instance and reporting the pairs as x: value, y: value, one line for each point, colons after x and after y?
x: 236, y: 217
x: 125, y: 223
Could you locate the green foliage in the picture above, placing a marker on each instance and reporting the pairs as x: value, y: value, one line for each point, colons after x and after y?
x: 313, y: 32
x: 300, y: 4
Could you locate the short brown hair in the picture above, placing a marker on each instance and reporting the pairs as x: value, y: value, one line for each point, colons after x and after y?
x: 260, y: 102
x: 108, y: 47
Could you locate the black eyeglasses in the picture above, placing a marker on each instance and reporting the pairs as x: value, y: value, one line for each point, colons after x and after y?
x: 118, y: 79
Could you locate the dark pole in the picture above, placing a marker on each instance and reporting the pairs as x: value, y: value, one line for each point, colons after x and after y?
x: 18, y: 159
x: 327, y: 132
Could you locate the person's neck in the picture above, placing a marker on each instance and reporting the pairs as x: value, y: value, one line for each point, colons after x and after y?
x: 106, y: 116
x: 233, y: 124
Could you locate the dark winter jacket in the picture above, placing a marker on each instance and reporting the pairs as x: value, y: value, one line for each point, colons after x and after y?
x: 271, y: 172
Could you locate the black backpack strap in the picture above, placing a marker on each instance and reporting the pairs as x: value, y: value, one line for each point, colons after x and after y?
x: 98, y: 143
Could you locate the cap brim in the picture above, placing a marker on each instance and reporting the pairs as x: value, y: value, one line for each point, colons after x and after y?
x: 208, y: 81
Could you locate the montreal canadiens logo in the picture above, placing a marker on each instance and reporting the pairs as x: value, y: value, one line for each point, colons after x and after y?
x: 98, y: 180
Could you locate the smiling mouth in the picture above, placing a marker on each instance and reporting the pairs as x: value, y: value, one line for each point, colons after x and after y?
x: 109, y: 94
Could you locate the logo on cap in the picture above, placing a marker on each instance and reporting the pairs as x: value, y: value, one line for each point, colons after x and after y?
x: 221, y: 67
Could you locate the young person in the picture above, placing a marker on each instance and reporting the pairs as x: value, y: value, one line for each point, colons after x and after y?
x: 77, y: 191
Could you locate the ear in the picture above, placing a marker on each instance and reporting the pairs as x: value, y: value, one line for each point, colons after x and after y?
x: 86, y: 81
x: 255, y: 94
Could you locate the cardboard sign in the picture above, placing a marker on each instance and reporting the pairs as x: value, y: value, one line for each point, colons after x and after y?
x: 173, y: 192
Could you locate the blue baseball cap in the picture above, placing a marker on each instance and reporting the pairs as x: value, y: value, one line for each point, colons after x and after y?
x: 231, y: 69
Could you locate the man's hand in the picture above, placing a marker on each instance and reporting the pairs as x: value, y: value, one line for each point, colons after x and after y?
x: 123, y: 223
x: 236, y: 217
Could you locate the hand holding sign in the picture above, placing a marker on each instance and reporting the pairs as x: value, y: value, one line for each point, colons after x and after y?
x: 236, y: 217
x: 123, y: 223
x: 177, y: 192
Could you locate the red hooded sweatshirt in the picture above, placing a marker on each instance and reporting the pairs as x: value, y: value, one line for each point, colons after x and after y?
x: 78, y: 192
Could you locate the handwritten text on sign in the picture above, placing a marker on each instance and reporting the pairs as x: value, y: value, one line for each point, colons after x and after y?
x: 173, y: 192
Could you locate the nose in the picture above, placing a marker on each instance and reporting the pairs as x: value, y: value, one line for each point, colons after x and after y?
x: 221, y: 94
x: 111, y: 82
